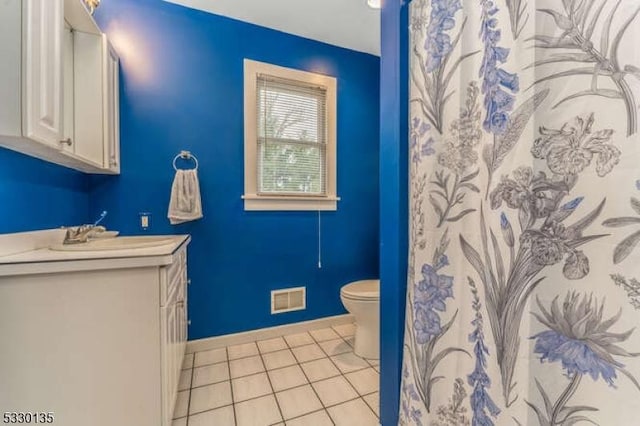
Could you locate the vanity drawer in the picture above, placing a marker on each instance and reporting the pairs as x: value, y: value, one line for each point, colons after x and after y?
x: 173, y: 277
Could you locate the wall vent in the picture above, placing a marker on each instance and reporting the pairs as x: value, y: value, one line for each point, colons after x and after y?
x: 288, y: 299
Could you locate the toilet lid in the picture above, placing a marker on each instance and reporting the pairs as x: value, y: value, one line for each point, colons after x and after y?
x: 362, y: 290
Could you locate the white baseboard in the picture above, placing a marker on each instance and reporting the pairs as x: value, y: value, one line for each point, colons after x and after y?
x: 265, y: 333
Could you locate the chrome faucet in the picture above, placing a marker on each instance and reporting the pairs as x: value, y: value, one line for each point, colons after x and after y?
x: 81, y: 234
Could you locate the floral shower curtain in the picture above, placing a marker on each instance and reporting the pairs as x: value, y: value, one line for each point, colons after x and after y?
x: 524, y: 267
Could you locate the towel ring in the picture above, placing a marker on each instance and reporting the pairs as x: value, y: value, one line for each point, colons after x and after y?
x: 186, y: 155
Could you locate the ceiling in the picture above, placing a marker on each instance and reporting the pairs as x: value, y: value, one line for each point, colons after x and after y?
x: 345, y: 23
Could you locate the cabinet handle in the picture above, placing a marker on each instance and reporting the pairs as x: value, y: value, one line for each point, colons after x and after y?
x: 66, y: 141
x: 189, y: 322
x: 189, y: 281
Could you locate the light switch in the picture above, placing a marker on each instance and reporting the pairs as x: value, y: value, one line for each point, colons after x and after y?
x: 145, y: 220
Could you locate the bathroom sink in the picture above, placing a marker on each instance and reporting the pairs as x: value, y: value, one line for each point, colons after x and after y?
x: 118, y: 243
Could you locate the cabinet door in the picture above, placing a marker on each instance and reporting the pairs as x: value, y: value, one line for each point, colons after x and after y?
x: 112, y: 109
x: 43, y: 27
x: 88, y: 82
x: 169, y: 327
x: 168, y: 383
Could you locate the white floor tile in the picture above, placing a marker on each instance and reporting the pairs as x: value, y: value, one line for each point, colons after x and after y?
x: 319, y: 369
x: 373, y: 401
x: 377, y: 368
x: 219, y: 417
x: 272, y: 345
x: 185, y: 380
x: 353, y: 413
x: 365, y: 381
x: 319, y: 418
x: 286, y: 378
x: 349, y: 362
x: 345, y: 330
x: 179, y: 422
x: 278, y: 359
x: 335, y: 347
x: 210, y: 374
x: 258, y: 412
x: 246, y: 366
x: 299, y: 339
x: 242, y: 351
x: 334, y: 391
x: 210, y: 397
x: 187, y: 361
x: 210, y: 357
x: 351, y: 341
x: 298, y: 401
x: 373, y: 362
x: 182, y: 404
x: 324, y: 334
x: 308, y: 353
x: 250, y: 387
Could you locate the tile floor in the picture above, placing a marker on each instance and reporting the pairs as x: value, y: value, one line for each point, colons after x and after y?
x: 305, y: 379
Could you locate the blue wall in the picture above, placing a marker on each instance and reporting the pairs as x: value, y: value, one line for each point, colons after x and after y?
x: 182, y: 88
x: 393, y: 202
x: 39, y: 195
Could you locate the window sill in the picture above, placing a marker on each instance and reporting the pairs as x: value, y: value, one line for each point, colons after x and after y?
x: 253, y: 202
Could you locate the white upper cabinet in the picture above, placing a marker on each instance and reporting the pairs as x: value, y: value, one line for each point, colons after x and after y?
x: 58, y: 86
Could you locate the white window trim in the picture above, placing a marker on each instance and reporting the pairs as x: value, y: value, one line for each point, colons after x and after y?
x: 255, y: 201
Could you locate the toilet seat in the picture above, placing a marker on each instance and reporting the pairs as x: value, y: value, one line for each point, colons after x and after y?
x: 365, y: 290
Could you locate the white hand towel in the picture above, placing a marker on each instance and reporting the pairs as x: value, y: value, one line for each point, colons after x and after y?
x: 185, y: 204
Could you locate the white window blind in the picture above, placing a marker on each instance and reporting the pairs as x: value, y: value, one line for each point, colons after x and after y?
x: 291, y: 137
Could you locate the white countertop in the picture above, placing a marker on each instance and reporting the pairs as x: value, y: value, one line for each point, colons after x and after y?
x: 34, y: 256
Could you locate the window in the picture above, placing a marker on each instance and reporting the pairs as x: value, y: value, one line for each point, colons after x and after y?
x: 289, y: 139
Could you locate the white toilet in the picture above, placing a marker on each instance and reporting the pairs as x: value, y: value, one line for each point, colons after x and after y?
x: 362, y: 300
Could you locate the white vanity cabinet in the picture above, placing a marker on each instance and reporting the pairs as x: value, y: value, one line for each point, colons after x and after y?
x: 95, y: 341
x: 58, y: 85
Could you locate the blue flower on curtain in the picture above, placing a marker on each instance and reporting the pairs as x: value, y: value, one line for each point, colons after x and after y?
x: 578, y: 338
x: 420, y: 147
x: 498, y: 101
x: 438, y: 43
x: 576, y: 356
x: 430, y: 296
x: 410, y: 394
x: 436, y: 36
x: 479, y: 379
x: 424, y: 311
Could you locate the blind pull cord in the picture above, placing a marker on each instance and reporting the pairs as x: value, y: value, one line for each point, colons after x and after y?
x: 319, y: 241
